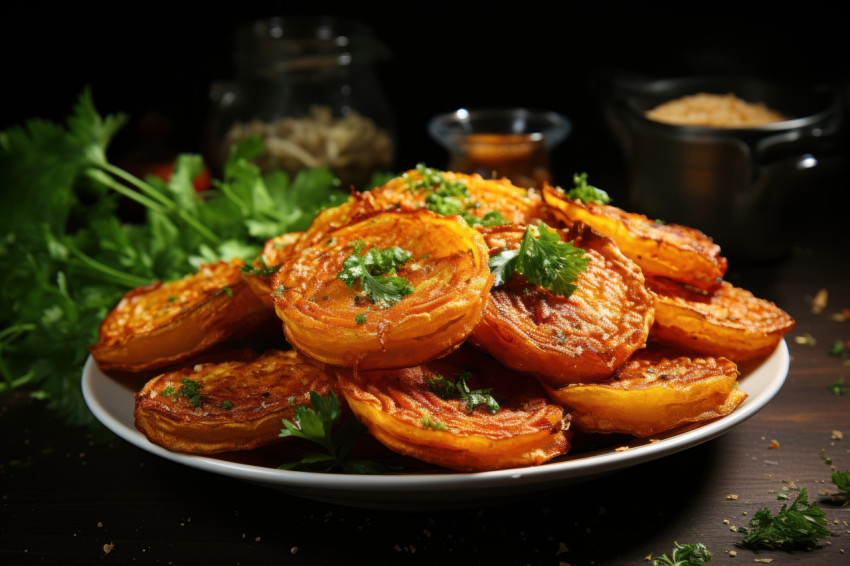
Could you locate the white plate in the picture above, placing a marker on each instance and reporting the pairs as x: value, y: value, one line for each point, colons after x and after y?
x: 112, y: 404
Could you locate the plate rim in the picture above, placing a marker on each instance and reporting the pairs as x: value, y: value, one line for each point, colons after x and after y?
x: 588, y: 465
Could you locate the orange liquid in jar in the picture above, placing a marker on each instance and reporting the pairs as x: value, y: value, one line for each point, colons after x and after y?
x: 522, y: 158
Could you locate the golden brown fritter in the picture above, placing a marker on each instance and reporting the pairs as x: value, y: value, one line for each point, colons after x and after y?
x: 561, y: 340
x: 163, y: 323
x: 657, y: 390
x: 728, y: 321
x: 412, y: 190
x: 233, y: 405
x: 667, y: 250
x: 415, y: 412
x: 449, y: 283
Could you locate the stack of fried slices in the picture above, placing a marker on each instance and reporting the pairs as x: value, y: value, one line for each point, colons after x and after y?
x: 391, y: 301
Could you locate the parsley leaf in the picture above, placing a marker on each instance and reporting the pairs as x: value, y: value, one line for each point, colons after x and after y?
x: 586, y: 193
x: 695, y: 554
x: 323, y: 424
x: 542, y: 259
x: 459, y: 389
x: 800, y: 525
x: 374, y: 270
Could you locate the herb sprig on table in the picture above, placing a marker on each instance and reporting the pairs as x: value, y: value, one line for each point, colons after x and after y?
x: 70, y: 249
x: 802, y: 524
x: 694, y: 554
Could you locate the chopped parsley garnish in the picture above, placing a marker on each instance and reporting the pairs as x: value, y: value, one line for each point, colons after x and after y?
x: 429, y: 422
x: 226, y: 404
x: 449, y: 198
x: 542, y: 259
x: 360, y: 318
x: 375, y: 271
x: 838, y: 387
x: 459, y: 389
x: 800, y: 525
x: 323, y: 424
x: 586, y: 193
x: 264, y: 270
x: 695, y: 554
x: 189, y: 389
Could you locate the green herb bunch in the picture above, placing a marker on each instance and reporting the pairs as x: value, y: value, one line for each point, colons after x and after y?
x: 69, y: 251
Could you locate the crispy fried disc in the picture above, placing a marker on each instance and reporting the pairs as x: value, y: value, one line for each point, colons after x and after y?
x: 239, y: 405
x: 338, y: 325
x: 667, y: 250
x: 561, y: 340
x: 408, y: 411
x: 656, y: 390
x: 279, y: 249
x: 515, y: 204
x: 163, y: 323
x: 728, y: 321
x: 275, y: 251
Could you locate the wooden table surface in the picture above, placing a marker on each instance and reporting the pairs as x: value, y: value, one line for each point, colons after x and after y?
x: 69, y: 498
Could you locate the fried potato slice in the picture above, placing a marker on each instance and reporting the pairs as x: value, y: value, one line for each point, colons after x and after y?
x: 233, y: 405
x: 658, y: 389
x: 413, y: 412
x: 412, y: 190
x: 728, y: 321
x: 667, y: 250
x: 279, y: 249
x: 561, y: 340
x: 275, y: 251
x: 338, y: 325
x: 164, y: 323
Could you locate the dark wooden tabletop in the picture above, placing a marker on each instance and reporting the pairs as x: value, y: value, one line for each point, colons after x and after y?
x: 70, y: 497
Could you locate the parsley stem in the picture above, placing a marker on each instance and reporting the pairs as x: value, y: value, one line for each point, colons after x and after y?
x: 138, y: 183
x: 114, y: 275
x: 166, y: 202
x: 100, y: 177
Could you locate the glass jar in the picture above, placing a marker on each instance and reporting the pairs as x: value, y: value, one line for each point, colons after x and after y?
x: 307, y: 86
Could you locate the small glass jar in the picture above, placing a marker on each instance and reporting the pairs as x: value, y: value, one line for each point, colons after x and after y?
x: 307, y: 86
x: 515, y: 143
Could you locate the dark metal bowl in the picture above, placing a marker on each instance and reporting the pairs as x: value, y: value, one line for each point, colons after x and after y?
x: 736, y: 184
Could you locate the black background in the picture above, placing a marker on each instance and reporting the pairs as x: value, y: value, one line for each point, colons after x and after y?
x: 157, y: 57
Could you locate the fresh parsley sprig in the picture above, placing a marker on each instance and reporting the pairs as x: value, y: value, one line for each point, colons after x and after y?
x: 459, y: 389
x: 375, y: 270
x: 323, y: 424
x: 542, y: 259
x: 802, y: 524
x: 69, y: 252
x: 695, y: 554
